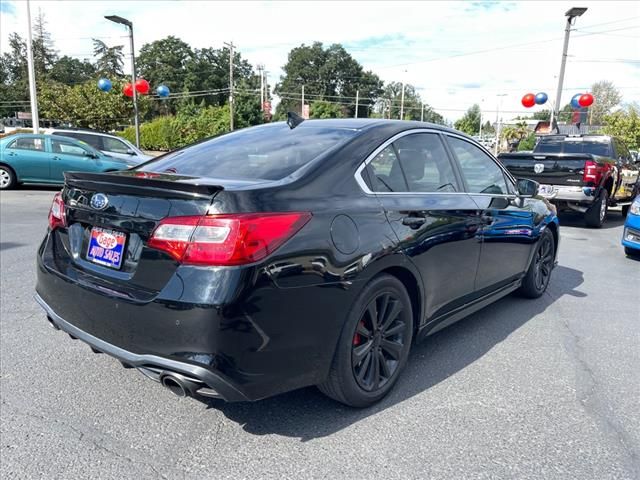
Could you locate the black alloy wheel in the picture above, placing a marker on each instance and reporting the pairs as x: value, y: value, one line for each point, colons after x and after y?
x: 537, y: 278
x: 378, y: 342
x: 374, y: 344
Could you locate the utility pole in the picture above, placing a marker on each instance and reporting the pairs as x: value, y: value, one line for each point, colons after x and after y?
x: 35, y: 120
x: 571, y: 14
x: 498, y: 123
x: 357, y: 95
x: 402, y: 102
x: 422, y: 113
x: 231, y: 100
x: 261, y: 70
x: 302, y: 104
x: 480, y: 132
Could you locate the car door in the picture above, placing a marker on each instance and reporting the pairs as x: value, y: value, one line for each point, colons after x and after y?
x: 27, y: 155
x: 507, y: 229
x: 434, y: 220
x: 69, y: 156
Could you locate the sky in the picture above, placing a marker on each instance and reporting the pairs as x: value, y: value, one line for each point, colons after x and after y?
x: 455, y: 53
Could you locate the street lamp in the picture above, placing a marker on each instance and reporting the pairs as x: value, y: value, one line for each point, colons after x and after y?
x: 571, y: 14
x: 127, y: 23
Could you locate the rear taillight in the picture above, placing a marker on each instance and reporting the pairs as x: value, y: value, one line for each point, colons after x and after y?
x: 593, y: 172
x: 225, y: 239
x: 57, y: 213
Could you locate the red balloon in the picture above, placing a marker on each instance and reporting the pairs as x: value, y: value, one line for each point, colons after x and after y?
x: 586, y: 100
x: 142, y: 86
x: 529, y: 100
x: 128, y: 89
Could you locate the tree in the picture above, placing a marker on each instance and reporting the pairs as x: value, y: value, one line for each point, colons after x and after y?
x: 321, y: 109
x: 109, y: 61
x: 391, y: 102
x: 626, y: 125
x: 527, y: 143
x: 470, y: 122
x: 71, y: 71
x: 607, y: 97
x: 330, y: 75
x: 487, y: 128
x: 83, y: 105
x: 44, y: 53
x: 164, y: 62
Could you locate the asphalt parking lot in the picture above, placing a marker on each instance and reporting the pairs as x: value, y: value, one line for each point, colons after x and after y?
x: 546, y: 389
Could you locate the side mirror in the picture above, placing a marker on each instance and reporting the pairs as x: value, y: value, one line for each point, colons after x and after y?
x: 90, y: 155
x: 130, y: 152
x: 527, y: 188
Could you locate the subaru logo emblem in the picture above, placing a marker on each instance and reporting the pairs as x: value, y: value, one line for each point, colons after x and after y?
x: 538, y: 167
x: 99, y: 201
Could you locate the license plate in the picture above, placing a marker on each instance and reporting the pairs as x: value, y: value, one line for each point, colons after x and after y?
x: 546, y: 190
x: 106, y: 247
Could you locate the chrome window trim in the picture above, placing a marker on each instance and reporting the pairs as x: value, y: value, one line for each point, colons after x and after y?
x: 364, y: 187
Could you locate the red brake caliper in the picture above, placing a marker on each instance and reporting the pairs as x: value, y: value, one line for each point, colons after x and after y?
x: 357, y: 338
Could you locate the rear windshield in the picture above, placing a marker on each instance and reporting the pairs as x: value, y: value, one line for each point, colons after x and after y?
x: 574, y: 146
x: 271, y: 153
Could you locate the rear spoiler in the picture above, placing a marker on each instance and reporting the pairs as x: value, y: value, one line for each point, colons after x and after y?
x: 161, y: 184
x: 550, y: 156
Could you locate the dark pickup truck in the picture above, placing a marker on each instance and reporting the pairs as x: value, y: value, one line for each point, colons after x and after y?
x: 584, y: 173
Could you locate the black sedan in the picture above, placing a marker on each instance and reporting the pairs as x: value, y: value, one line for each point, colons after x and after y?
x: 291, y: 254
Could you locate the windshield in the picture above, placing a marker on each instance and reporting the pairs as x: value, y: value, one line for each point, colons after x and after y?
x: 578, y: 145
x: 271, y: 153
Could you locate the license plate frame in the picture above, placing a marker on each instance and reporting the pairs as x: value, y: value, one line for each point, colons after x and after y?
x: 106, y: 247
x: 547, y: 190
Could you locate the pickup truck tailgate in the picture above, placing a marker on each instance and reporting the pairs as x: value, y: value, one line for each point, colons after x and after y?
x: 550, y: 169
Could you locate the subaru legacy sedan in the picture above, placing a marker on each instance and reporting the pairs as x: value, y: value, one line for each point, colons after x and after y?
x: 291, y: 254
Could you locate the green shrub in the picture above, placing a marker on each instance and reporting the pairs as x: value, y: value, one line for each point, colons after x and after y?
x: 527, y: 143
x: 170, y: 132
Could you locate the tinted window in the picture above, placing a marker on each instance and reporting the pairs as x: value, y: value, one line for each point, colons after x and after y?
x: 114, y: 145
x: 577, y: 145
x: 425, y: 163
x: 28, y: 144
x: 94, y: 140
x: 480, y: 171
x: 68, y: 148
x: 385, y: 174
x: 271, y: 153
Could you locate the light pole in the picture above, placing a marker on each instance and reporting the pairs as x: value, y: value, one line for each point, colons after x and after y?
x: 35, y: 121
x: 571, y: 14
x: 127, y: 23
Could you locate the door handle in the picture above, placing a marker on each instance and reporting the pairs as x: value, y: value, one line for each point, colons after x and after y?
x: 56, y: 158
x: 414, y: 222
x: 12, y: 154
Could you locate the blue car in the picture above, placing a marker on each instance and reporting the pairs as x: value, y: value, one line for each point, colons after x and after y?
x: 631, y: 233
x: 30, y: 158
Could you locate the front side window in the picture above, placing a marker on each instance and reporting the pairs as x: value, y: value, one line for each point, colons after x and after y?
x: 28, y: 144
x: 413, y: 163
x: 480, y: 171
x: 67, y: 148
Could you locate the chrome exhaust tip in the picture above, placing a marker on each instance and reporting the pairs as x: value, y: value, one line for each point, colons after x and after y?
x: 175, y: 385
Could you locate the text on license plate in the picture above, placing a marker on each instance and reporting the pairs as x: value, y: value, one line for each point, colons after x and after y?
x: 106, y: 247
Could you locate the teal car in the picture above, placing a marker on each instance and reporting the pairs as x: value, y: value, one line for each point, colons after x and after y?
x: 30, y: 158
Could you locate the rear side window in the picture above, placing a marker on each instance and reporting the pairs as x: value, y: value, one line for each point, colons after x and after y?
x: 28, y: 144
x: 413, y: 163
x: 269, y: 153
x: 480, y: 171
x: 114, y: 145
x: 577, y: 145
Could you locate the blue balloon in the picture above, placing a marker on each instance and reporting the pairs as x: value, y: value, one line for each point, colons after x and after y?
x: 541, y: 98
x: 163, y: 91
x: 575, y: 101
x: 104, y: 84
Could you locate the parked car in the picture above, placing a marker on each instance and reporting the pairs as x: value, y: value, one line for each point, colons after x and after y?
x: 112, y: 145
x: 31, y: 158
x: 273, y: 258
x: 631, y: 233
x: 583, y: 173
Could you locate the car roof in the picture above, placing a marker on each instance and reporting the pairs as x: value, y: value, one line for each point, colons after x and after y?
x: 80, y: 130
x: 367, y: 123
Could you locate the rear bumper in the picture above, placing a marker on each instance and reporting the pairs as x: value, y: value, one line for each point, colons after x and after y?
x: 151, y: 366
x: 564, y: 193
x: 631, y: 233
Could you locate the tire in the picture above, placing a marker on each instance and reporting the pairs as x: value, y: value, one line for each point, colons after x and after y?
x: 7, y: 178
x: 597, y: 213
x: 625, y: 210
x: 632, y: 252
x: 538, y: 274
x: 359, y: 375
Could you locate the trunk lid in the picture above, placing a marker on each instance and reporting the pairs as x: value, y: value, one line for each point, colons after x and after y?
x: 127, y: 205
